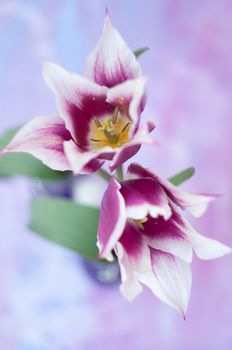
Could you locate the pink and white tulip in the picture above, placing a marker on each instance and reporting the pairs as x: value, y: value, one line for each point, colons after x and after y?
x: 140, y: 221
x: 98, y: 114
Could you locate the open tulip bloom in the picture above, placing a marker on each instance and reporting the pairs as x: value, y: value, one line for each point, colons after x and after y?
x: 98, y: 115
x: 98, y: 119
x: 141, y: 222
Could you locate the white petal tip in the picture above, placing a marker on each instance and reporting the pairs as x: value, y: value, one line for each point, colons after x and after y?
x: 207, y: 248
x: 49, y: 68
x: 182, y: 310
x: 224, y: 250
x: 201, y: 205
x: 131, y: 294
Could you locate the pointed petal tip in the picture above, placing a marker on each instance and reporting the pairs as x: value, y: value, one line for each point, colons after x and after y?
x: 183, y: 316
x: 47, y: 68
x: 224, y: 250
x: 151, y: 125
x: 131, y: 293
x: 7, y: 150
x: 3, y: 152
x: 103, y: 254
x: 199, y: 203
x: 207, y: 248
x: 107, y: 18
x: 125, y: 295
x: 107, y: 11
x: 182, y: 310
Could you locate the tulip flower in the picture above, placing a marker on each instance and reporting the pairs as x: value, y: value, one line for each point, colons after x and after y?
x: 140, y: 221
x: 98, y: 115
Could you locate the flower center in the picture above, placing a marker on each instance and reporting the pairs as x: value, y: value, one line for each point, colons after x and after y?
x: 110, y: 131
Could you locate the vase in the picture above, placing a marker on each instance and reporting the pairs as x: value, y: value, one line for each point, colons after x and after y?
x: 60, y: 188
x: 103, y: 273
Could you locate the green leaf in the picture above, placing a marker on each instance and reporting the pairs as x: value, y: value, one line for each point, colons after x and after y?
x: 140, y: 51
x: 182, y: 176
x: 66, y: 223
x: 24, y: 164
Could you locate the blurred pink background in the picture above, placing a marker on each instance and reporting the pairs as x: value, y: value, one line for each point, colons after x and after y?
x: 47, y: 301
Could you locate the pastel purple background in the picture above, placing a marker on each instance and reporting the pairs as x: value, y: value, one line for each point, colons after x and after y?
x: 46, y: 300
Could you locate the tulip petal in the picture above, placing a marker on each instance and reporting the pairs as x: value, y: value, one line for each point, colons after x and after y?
x: 125, y: 152
x: 168, y: 237
x: 143, y: 197
x: 132, y: 147
x: 130, y: 98
x: 78, y: 100
x: 112, y: 219
x: 111, y: 62
x: 207, y: 248
x: 204, y: 247
x: 130, y: 287
x: 170, y: 281
x: 43, y: 137
x: 134, y: 259
x: 81, y: 162
x: 196, y: 204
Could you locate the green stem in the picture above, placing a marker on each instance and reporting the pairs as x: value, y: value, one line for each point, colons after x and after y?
x: 182, y: 176
x: 119, y: 173
x: 104, y: 175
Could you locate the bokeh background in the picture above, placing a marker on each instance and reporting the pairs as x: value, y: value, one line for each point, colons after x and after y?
x: 47, y: 302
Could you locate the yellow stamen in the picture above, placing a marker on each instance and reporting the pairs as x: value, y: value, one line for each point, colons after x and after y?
x: 97, y: 123
x: 141, y: 222
x: 111, y: 130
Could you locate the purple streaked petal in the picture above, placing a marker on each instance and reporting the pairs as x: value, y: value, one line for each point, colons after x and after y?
x: 170, y: 280
x: 92, y: 166
x: 111, y: 62
x: 135, y: 247
x: 43, y: 137
x: 78, y: 100
x: 106, y: 155
x: 130, y: 98
x: 125, y: 152
x: 196, y: 204
x: 168, y: 237
x: 81, y: 162
x: 133, y: 146
x: 132, y: 240
x: 130, y: 287
x: 112, y: 219
x: 143, y: 197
